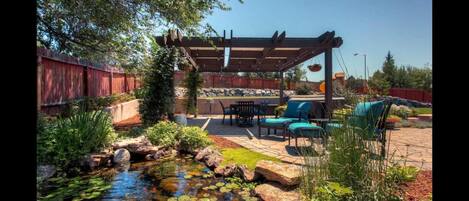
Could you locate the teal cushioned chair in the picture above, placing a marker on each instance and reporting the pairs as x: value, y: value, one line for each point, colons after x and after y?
x: 365, y: 116
x: 368, y: 118
x: 296, y: 111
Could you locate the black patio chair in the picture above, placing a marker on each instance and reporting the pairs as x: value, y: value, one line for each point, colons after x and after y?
x: 227, y: 111
x: 245, y: 112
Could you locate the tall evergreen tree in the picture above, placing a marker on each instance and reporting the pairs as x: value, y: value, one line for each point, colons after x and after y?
x: 389, y: 69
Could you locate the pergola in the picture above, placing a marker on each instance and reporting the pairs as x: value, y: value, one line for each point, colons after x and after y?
x: 254, y: 54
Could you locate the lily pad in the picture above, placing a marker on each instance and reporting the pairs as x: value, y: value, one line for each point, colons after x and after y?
x: 224, y: 189
x: 212, y: 187
x: 232, y: 186
x: 206, y: 195
x: 173, y: 199
x: 219, y: 184
x: 187, y: 176
x: 184, y: 198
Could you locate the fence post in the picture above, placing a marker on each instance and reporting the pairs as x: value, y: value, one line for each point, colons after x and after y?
x: 86, y: 89
x: 125, y: 83
x: 39, y: 82
x: 110, y: 82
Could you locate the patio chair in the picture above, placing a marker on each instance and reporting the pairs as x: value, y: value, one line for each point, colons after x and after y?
x: 368, y: 118
x: 297, y: 111
x: 227, y: 111
x: 261, y: 111
x: 245, y: 112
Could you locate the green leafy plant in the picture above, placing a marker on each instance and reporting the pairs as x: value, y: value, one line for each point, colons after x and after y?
x: 279, y: 110
x: 192, y: 82
x: 303, y: 90
x: 400, y: 111
x: 399, y: 174
x: 333, y: 191
x: 164, y: 133
x: 193, y: 137
x: 81, y: 134
x: 159, y: 98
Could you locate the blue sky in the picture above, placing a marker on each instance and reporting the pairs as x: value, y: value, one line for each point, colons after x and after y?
x: 369, y: 27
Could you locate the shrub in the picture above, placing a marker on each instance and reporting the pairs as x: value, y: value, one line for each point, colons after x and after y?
x: 279, y: 110
x: 164, y: 133
x: 399, y: 174
x: 400, y: 111
x: 193, y: 137
x: 303, y: 90
x: 45, y: 140
x: 83, y: 133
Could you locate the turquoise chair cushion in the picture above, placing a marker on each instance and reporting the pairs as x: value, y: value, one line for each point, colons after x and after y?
x: 366, y: 114
x: 305, y: 129
x: 277, y: 122
x: 294, y: 108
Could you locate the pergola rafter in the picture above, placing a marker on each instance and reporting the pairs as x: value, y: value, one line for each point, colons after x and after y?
x: 254, y: 54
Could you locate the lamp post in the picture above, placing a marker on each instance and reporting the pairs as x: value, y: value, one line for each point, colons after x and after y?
x: 364, y: 56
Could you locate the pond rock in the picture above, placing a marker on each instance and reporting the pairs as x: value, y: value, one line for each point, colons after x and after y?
x: 121, y: 156
x: 170, y: 184
x: 286, y: 174
x: 94, y: 160
x: 226, y: 171
x: 45, y: 171
x: 246, y: 174
x: 275, y: 192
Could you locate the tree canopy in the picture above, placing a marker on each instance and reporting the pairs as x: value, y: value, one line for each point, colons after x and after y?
x: 401, y: 77
x: 118, y: 32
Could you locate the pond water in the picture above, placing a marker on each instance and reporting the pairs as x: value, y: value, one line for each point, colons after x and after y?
x: 179, y: 178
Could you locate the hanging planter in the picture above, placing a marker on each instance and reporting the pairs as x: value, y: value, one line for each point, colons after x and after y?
x: 314, y: 67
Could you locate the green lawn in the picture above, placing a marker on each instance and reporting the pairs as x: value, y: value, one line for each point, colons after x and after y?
x: 243, y: 156
x: 423, y: 110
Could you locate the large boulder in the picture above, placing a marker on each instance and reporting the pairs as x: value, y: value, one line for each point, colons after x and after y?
x: 286, y: 174
x: 275, y: 192
x: 121, y: 156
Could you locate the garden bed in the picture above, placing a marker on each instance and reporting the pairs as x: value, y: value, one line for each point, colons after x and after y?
x: 420, y: 188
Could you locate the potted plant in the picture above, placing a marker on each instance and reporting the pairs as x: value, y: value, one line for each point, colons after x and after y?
x: 391, y: 121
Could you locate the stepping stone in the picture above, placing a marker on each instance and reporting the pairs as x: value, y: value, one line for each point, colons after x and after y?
x: 286, y: 174
x: 425, y: 117
x: 274, y: 192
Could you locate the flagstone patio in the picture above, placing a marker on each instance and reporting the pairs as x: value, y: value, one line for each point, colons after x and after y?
x: 412, y: 146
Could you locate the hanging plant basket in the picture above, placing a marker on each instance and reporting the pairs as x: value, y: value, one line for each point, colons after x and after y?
x: 314, y: 67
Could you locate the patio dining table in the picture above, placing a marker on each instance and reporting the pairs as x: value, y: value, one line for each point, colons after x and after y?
x: 269, y: 107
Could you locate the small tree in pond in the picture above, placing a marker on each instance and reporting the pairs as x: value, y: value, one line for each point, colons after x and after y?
x: 192, y: 82
x: 159, y: 97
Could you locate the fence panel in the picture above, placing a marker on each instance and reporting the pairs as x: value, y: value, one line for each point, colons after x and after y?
x: 412, y: 94
x: 118, y: 83
x: 60, y: 82
x: 98, y: 83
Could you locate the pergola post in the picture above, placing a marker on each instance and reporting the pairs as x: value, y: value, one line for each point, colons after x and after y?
x: 328, y: 80
x: 281, y: 88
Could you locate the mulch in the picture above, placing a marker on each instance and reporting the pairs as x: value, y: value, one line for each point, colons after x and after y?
x: 128, y: 123
x: 223, y: 142
x: 420, y: 188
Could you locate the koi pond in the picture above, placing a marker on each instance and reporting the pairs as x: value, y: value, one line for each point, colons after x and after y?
x: 177, y: 178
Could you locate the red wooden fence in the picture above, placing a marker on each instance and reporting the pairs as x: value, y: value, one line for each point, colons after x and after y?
x: 224, y: 81
x: 65, y: 78
x: 412, y: 94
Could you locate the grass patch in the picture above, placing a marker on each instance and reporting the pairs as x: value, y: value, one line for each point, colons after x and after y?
x: 243, y: 156
x: 422, y: 110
